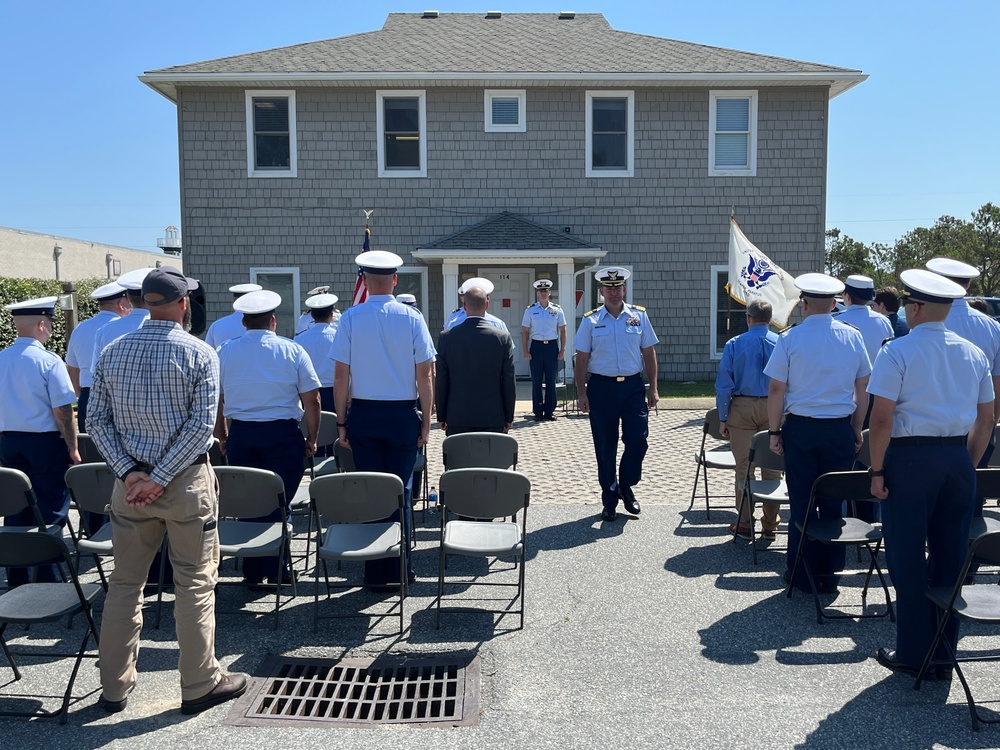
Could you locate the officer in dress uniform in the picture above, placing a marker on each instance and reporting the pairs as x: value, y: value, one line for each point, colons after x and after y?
x: 818, y: 371
x: 132, y: 281
x: 925, y: 440
x: 37, y: 431
x: 80, y: 349
x: 459, y: 315
x: 613, y: 345
x: 317, y: 342
x: 544, y: 323
x: 306, y: 320
x: 267, y: 384
x: 383, y: 356
x: 230, y: 326
x: 875, y: 328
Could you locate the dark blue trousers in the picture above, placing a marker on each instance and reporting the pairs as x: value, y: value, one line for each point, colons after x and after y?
x: 383, y: 437
x: 932, y: 491
x: 277, y: 446
x: 44, y: 457
x: 81, y: 409
x: 814, y: 447
x: 614, y: 403
x: 544, y: 364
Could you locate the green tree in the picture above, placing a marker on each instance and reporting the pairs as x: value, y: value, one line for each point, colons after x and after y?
x: 845, y: 255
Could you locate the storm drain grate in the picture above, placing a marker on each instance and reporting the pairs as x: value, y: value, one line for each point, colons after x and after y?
x: 358, y: 692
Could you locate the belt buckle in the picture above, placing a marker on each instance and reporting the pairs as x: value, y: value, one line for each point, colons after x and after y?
x: 546, y: 341
x: 620, y: 379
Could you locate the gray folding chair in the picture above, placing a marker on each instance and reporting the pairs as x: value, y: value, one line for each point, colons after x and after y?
x: 762, y: 490
x: 90, y: 486
x: 484, y: 495
x: 88, y: 450
x: 479, y: 450
x: 975, y: 603
x: 344, y: 457
x: 842, y: 485
x: 35, y: 603
x: 720, y: 458
x: 327, y: 435
x: 354, y: 505
x: 987, y: 487
x: 253, y: 493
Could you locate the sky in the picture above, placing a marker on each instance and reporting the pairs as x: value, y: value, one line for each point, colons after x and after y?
x: 92, y: 152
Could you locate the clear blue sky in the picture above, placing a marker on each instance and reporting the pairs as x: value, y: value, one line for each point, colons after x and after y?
x: 92, y: 152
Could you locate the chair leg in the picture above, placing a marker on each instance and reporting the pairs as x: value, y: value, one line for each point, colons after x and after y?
x: 697, y: 474
x: 942, y: 618
x: 440, y: 585
x: 164, y: 551
x: 64, y: 712
x: 8, y: 654
x: 708, y: 508
x: 402, y: 585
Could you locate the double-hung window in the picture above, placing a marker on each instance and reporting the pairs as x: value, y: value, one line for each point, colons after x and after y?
x: 504, y: 110
x: 402, y: 133
x: 271, y: 147
x: 610, y: 134
x: 732, y: 133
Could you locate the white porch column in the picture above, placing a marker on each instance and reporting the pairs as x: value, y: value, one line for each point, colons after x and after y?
x: 567, y: 299
x: 449, y: 275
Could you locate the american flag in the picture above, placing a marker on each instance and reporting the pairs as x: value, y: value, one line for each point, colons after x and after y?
x: 360, y: 288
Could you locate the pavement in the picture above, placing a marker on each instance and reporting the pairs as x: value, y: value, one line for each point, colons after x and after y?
x: 653, y: 631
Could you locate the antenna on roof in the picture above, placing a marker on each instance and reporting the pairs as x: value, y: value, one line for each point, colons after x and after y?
x: 430, y: 14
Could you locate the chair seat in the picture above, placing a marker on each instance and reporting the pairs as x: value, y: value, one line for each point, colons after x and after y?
x: 482, y: 538
x: 300, y: 505
x: 769, y: 490
x: 720, y: 458
x: 249, y: 538
x: 98, y: 544
x: 325, y: 466
x: 980, y: 603
x: 361, y: 541
x: 44, y: 602
x: 983, y: 525
x: 842, y: 531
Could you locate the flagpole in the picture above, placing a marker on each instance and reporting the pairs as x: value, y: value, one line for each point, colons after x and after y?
x: 729, y: 297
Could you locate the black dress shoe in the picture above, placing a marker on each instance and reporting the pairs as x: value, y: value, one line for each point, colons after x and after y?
x: 549, y: 417
x: 609, y: 514
x: 114, y: 707
x: 629, y: 501
x: 887, y: 658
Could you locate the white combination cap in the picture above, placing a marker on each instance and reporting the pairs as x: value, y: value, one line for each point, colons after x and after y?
x: 927, y: 286
x: 319, y: 301
x: 380, y: 262
x: 818, y: 285
x: 245, y: 288
x: 318, y: 290
x: 108, y: 292
x: 860, y: 287
x: 407, y: 299
x: 38, y: 306
x: 542, y: 284
x: 132, y: 280
x: 613, y: 276
x: 485, y: 284
x: 953, y: 269
x: 257, y: 303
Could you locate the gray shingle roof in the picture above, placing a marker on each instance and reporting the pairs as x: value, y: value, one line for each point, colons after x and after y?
x: 506, y: 231
x: 536, y: 43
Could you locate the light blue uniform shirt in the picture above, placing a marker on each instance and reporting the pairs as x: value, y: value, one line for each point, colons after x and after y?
x: 911, y: 372
x: 305, y: 322
x: 875, y: 327
x: 262, y: 376
x: 818, y: 360
x: 544, y: 322
x: 317, y: 342
x: 33, y: 382
x: 80, y: 350
x: 741, y: 371
x: 225, y: 328
x: 615, y: 344
x: 118, y: 328
x: 458, y: 317
x: 980, y: 329
x: 382, y: 341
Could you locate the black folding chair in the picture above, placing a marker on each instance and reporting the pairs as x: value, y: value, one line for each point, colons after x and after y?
x: 720, y: 458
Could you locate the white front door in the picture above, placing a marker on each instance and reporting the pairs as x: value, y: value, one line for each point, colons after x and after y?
x: 512, y: 293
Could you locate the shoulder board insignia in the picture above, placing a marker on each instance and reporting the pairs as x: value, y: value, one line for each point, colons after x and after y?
x: 455, y: 310
x: 640, y: 308
x: 590, y: 312
x: 553, y: 304
x: 530, y: 306
x: 886, y: 341
x: 849, y: 326
x: 787, y: 329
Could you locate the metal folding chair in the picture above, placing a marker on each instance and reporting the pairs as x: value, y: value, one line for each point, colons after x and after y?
x: 762, y: 490
x: 720, y: 458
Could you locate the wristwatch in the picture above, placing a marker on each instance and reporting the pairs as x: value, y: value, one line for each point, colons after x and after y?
x: 876, y: 472
x: 774, y: 433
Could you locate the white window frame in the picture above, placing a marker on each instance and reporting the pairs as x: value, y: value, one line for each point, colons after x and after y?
x: 490, y: 94
x: 751, y: 169
x: 715, y: 351
x: 293, y: 154
x: 422, y: 270
x: 629, y: 171
x: 421, y: 97
x: 293, y: 271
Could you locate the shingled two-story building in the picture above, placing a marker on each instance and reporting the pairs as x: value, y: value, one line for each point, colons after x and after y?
x: 512, y: 146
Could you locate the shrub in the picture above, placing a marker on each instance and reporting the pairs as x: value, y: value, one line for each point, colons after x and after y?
x: 18, y: 290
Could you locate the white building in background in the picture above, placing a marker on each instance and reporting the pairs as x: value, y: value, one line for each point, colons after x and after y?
x: 30, y: 255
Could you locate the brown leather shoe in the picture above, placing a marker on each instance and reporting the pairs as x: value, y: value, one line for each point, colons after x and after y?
x: 229, y: 687
x: 743, y: 532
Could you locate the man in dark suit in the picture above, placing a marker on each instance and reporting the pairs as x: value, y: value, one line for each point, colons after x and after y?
x: 475, y: 373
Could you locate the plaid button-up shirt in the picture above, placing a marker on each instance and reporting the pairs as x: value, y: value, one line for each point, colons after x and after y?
x: 154, y: 400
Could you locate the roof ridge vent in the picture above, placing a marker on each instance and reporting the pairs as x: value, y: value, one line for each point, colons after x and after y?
x: 494, y: 14
x: 430, y: 14
x: 567, y: 15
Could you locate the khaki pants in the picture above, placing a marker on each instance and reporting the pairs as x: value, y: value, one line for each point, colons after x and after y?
x: 189, y: 503
x: 748, y: 416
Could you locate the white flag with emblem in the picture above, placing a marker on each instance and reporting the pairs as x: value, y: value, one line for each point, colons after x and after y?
x: 752, y: 275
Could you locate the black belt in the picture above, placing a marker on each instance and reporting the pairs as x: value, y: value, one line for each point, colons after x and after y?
x: 740, y: 395
x: 384, y: 404
x: 616, y: 378
x: 543, y: 341
x: 928, y: 440
x: 202, y: 459
x: 825, y: 420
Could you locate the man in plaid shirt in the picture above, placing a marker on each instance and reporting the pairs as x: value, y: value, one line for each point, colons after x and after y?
x: 152, y: 412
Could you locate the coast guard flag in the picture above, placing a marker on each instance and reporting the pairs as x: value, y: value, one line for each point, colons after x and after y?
x: 752, y: 275
x: 360, y: 287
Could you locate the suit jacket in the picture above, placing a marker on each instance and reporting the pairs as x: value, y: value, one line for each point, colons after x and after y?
x: 475, y: 377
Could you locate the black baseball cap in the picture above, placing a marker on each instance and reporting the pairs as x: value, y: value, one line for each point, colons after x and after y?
x: 165, y: 285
